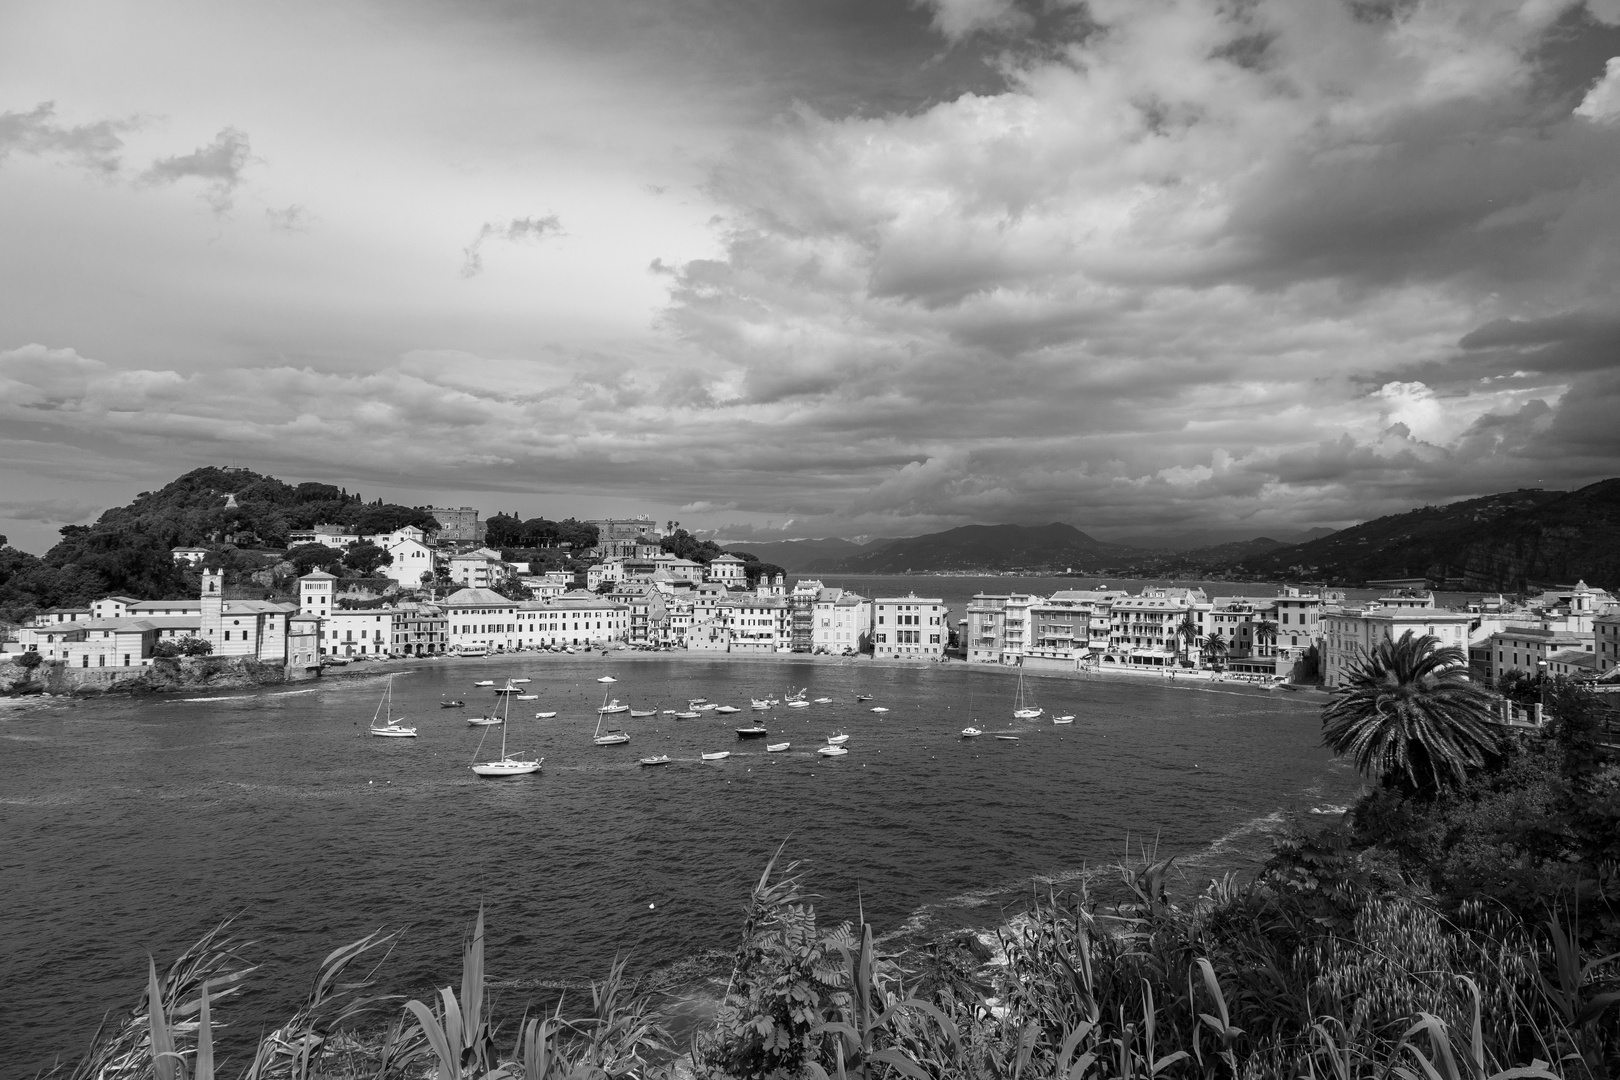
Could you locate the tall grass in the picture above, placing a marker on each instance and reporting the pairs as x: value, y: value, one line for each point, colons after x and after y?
x: 1242, y: 981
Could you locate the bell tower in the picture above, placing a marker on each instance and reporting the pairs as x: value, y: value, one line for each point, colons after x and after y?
x: 213, y: 608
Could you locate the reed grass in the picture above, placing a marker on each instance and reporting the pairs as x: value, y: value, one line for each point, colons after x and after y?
x: 1240, y: 981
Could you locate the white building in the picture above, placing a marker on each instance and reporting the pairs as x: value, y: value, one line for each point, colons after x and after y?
x: 998, y: 627
x: 757, y: 624
x: 1350, y: 634
x: 480, y: 568
x: 729, y: 571
x: 909, y: 628
x: 1147, y: 629
x: 838, y: 619
x: 1070, y: 628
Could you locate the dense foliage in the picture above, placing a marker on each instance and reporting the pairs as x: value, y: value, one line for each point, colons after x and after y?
x: 507, y: 531
x: 128, y: 549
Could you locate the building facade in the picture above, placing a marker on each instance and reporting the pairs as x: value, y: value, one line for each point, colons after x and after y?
x: 909, y: 627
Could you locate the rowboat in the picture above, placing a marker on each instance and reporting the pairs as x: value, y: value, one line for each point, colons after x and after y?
x: 545, y: 715
x: 687, y: 714
x: 823, y: 701
x: 863, y: 697
x: 776, y: 747
x: 452, y: 704
x: 520, y: 680
x: 700, y: 706
x: 485, y: 682
x: 721, y: 756
x: 638, y: 713
x: 832, y: 751
x: 661, y: 759
x: 798, y: 704
x: 1007, y: 738
x: 696, y: 701
x: 483, y: 721
x: 528, y: 697
x: 1062, y: 719
x: 879, y: 708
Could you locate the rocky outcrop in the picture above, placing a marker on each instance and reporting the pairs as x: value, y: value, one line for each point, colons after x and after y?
x: 167, y: 675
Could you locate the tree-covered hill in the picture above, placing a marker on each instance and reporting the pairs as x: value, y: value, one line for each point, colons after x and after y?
x: 1510, y: 541
x: 128, y: 549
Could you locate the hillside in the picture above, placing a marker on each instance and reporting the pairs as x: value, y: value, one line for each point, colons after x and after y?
x: 127, y: 549
x: 1205, y: 540
x: 797, y: 555
x: 983, y: 547
x: 1502, y: 542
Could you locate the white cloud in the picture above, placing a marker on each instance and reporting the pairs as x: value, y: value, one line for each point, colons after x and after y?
x: 1602, y: 103
x: 958, y: 19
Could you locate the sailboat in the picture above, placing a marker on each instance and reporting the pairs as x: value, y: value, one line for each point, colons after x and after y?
x: 504, y: 766
x: 1021, y: 708
x: 391, y: 728
x: 614, y: 737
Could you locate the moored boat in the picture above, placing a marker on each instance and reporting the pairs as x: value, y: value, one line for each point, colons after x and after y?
x: 483, y: 721
x: 776, y: 748
x: 833, y: 751
x: 614, y: 737
x: 639, y: 713
x: 485, y: 682
x: 545, y: 715
x: 661, y: 759
x: 823, y: 701
x: 505, y: 765
x: 837, y: 740
x: 1063, y: 719
x: 391, y: 728
x: 726, y: 710
x: 879, y: 709
x: 452, y: 704
x: 719, y: 756
x: 971, y: 733
x: 613, y: 707
x: 798, y: 704
x: 754, y: 732
x: 607, y: 678
x: 687, y: 714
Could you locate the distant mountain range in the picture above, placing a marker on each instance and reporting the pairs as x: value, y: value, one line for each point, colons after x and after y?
x: 1509, y: 542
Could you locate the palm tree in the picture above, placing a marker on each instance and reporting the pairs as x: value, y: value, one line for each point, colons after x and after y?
x: 1264, y: 631
x: 1214, y: 647
x: 1187, y: 630
x: 1409, y: 716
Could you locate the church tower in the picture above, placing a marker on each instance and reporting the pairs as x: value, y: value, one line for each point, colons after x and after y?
x: 213, y: 608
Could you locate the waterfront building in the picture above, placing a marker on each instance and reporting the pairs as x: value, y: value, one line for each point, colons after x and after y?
x: 577, y: 618
x: 1147, y: 628
x: 803, y: 604
x: 1349, y: 634
x: 909, y: 627
x: 757, y: 624
x: 480, y: 619
x: 998, y: 627
x: 1066, y: 630
x: 838, y: 619
x: 368, y: 632
x: 420, y: 630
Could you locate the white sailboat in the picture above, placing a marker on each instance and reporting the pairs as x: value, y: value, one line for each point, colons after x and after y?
x: 614, y: 737
x: 504, y: 765
x: 391, y: 728
x: 1022, y: 710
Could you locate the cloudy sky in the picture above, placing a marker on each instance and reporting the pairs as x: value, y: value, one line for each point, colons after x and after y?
x: 812, y: 267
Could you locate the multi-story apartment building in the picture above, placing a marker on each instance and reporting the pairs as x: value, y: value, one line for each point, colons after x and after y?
x: 909, y: 627
x: 1147, y: 629
x: 839, y: 619
x: 998, y: 627
x: 1606, y: 642
x: 1527, y: 649
x: 757, y: 624
x: 1066, y: 630
x: 1349, y: 634
x: 478, y: 569
x: 802, y: 602
x: 420, y: 630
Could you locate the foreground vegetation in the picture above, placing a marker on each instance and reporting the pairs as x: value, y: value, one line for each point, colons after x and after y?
x: 1459, y: 923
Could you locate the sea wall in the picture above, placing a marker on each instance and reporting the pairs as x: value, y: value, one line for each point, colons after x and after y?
x: 162, y: 676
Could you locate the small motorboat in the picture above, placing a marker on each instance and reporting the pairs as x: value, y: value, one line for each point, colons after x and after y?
x: 823, y: 701
x: 837, y: 740
x: 758, y: 703
x: 971, y: 733
x: 1007, y: 738
x: 833, y: 751
x: 703, y: 706
x: 607, y: 678
x: 687, y: 714
x: 545, y: 715
x: 721, y: 756
x: 639, y: 713
x: 452, y: 704
x: 669, y: 712
x: 726, y: 710
x: 879, y: 709
x: 754, y: 732
x: 613, y: 707
x: 507, y: 689
x: 519, y: 680
x: 863, y: 697
x: 798, y: 703
x: 483, y: 721
x: 527, y: 697
x: 1062, y: 719
x: 485, y: 682
x: 695, y: 702
x: 776, y: 747
x: 661, y: 759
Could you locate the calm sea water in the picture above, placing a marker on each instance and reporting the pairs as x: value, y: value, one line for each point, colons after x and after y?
x: 130, y: 826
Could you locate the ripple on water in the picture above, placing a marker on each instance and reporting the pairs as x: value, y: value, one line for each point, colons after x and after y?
x: 137, y: 824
